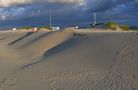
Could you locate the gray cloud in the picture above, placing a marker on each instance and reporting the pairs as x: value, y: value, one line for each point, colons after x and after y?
x: 67, y: 10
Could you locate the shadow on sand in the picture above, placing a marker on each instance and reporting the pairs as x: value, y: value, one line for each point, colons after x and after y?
x: 36, y: 39
x: 55, y: 50
x: 28, y: 34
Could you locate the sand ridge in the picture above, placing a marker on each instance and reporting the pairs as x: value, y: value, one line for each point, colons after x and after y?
x: 70, y: 60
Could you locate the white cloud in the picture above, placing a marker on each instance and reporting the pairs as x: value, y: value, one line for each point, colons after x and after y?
x: 136, y: 1
x: 80, y: 2
x: 12, y: 13
x: 3, y: 17
x: 6, y: 3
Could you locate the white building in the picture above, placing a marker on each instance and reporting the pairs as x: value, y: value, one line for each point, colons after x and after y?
x: 35, y: 29
x: 55, y: 28
x: 14, y: 29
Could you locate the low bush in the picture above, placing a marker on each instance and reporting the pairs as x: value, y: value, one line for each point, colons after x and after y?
x: 26, y: 28
x: 44, y: 27
x: 112, y: 25
x: 124, y: 27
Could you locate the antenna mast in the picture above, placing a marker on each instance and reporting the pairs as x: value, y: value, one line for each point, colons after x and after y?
x: 50, y: 21
x: 94, y: 18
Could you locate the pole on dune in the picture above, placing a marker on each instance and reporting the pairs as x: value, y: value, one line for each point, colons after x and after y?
x: 50, y: 21
x: 94, y: 18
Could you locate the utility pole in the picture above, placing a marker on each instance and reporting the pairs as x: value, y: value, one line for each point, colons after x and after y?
x: 94, y: 18
x: 50, y: 21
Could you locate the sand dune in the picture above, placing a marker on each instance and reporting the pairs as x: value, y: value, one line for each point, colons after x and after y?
x: 69, y: 60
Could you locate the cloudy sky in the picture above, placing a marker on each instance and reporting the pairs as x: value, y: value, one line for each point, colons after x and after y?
x: 66, y: 12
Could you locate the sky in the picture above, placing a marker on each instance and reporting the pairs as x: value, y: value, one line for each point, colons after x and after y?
x: 14, y: 13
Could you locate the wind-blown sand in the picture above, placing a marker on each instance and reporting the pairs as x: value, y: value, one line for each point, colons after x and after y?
x: 69, y: 60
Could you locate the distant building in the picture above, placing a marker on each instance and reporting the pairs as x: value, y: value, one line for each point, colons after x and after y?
x: 35, y: 29
x: 14, y: 29
x: 76, y: 27
x: 55, y: 28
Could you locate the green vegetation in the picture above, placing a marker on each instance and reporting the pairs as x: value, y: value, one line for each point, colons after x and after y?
x: 44, y: 27
x: 26, y: 28
x: 124, y: 27
x: 112, y: 25
x: 116, y: 26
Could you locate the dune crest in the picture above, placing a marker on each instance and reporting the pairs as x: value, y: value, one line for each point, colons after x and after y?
x: 69, y: 60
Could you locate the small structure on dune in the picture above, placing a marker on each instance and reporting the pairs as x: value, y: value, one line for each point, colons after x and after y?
x: 55, y: 28
x: 14, y: 29
x: 35, y: 29
x: 76, y: 27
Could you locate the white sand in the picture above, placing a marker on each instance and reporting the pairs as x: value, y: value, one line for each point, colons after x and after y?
x: 69, y: 60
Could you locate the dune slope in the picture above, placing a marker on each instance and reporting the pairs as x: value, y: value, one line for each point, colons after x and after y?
x: 71, y: 60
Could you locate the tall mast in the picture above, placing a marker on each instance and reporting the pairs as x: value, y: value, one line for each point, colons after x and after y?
x: 50, y: 21
x: 94, y: 18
